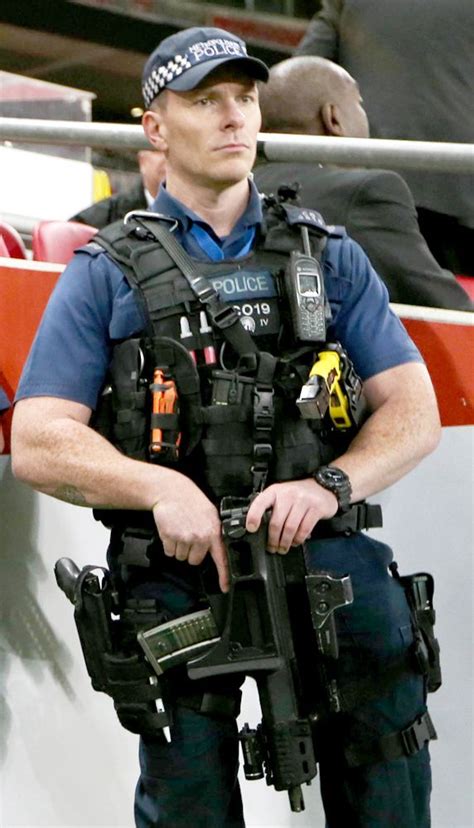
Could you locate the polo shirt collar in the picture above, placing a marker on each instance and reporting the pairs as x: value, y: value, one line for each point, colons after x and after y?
x: 170, y: 206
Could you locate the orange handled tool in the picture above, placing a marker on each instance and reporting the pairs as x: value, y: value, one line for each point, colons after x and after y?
x: 164, y: 416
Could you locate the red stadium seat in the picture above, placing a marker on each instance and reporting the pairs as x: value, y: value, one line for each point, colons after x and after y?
x: 56, y: 241
x: 3, y: 248
x: 12, y: 241
x: 466, y: 282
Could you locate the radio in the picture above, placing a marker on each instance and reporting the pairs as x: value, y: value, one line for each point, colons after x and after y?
x: 304, y: 287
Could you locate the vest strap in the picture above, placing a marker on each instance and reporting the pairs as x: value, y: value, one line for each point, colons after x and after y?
x: 263, y: 420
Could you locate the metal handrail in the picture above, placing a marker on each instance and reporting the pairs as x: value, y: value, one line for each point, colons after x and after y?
x: 365, y: 152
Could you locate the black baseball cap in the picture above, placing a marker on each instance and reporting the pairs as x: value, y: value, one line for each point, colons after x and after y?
x: 183, y: 60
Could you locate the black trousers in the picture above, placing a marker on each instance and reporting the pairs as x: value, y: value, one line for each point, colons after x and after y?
x: 193, y: 779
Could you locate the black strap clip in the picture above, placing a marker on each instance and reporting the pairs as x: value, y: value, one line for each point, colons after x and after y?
x: 203, y: 290
x: 392, y: 746
x: 262, y: 453
x: 223, y: 316
x: 263, y: 411
x: 415, y: 736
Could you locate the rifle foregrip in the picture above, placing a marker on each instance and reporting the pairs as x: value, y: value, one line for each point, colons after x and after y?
x: 291, y: 754
x: 67, y: 572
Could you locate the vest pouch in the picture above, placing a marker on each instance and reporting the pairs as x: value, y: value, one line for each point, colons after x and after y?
x: 177, y: 363
x: 121, y: 413
x: 297, y: 449
x: 228, y: 434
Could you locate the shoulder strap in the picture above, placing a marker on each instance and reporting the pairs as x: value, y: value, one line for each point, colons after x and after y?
x: 117, y: 242
x: 221, y: 315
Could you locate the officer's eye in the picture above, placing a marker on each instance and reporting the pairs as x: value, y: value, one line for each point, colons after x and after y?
x: 247, y: 98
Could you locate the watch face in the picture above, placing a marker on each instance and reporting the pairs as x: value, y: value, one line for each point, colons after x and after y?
x: 337, y: 482
x: 333, y: 475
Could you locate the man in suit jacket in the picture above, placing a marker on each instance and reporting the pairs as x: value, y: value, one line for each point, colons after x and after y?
x: 314, y: 96
x: 138, y: 197
x: 414, y: 63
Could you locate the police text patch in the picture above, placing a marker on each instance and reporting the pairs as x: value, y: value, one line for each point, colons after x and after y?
x: 254, y: 296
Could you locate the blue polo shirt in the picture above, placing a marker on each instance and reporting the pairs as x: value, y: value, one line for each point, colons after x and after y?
x: 92, y: 306
x: 200, y: 240
x: 4, y: 401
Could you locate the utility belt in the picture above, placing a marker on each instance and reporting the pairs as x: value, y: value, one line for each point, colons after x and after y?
x: 137, y: 544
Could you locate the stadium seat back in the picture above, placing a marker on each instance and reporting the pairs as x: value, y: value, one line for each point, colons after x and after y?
x: 56, y: 241
x: 12, y: 241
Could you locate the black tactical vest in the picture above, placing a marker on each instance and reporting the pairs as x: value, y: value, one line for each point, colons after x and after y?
x: 236, y: 421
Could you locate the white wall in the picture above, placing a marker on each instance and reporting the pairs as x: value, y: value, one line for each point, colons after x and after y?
x: 65, y: 760
x: 41, y: 186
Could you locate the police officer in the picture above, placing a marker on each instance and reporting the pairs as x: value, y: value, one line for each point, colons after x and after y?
x: 202, y: 111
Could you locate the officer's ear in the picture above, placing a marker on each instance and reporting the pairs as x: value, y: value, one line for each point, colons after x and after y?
x: 152, y: 122
x: 331, y: 119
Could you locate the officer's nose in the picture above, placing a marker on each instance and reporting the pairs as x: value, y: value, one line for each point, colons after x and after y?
x: 233, y: 117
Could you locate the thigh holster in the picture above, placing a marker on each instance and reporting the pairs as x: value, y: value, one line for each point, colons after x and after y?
x: 107, y: 634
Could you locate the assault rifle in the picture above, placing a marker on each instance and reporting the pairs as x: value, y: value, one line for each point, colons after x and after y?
x: 277, y: 627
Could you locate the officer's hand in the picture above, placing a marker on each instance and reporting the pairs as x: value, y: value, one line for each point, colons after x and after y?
x: 189, y: 527
x: 296, y: 508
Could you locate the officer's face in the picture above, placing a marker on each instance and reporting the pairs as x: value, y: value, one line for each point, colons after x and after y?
x: 209, y: 134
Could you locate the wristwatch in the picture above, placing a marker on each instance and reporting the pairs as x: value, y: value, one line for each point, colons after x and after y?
x: 337, y: 482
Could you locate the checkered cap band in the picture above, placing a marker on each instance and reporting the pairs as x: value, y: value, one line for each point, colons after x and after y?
x: 163, y: 68
x: 162, y: 75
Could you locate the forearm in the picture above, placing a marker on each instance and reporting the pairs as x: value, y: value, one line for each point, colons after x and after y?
x: 69, y: 460
x: 56, y: 452
x: 395, y: 438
